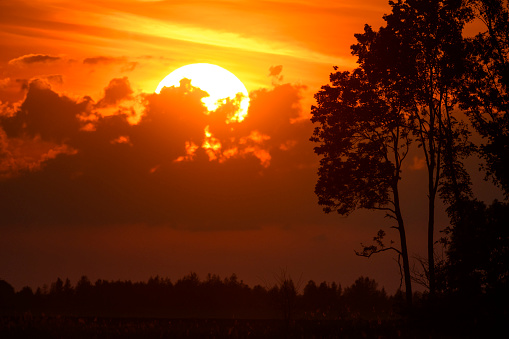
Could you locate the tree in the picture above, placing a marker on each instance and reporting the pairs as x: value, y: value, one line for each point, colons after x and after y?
x: 364, y: 299
x: 285, y: 295
x: 484, y: 94
x: 478, y: 249
x: 403, y: 93
x: 7, y: 296
x: 476, y: 273
x: 363, y: 139
x: 322, y: 301
x: 57, y: 287
x: 431, y: 33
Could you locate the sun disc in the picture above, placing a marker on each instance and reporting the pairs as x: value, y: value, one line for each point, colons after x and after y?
x: 218, y: 82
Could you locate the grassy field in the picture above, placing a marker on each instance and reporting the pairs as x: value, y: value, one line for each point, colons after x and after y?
x: 27, y: 326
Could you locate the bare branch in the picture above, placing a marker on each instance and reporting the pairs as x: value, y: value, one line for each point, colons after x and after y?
x: 368, y: 251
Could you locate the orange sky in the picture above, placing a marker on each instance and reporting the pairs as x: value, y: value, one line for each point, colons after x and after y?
x: 88, y: 174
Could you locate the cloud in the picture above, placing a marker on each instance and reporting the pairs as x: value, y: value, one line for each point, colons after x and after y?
x: 127, y: 66
x: 275, y: 70
x: 8, y: 109
x: 101, y: 60
x: 4, y: 82
x: 12, y: 91
x: 53, y: 78
x: 275, y: 73
x: 46, y: 114
x: 33, y: 58
x: 23, y: 155
x: 66, y: 163
x: 118, y: 89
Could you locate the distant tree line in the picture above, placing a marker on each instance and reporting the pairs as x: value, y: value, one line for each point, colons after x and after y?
x: 212, y: 297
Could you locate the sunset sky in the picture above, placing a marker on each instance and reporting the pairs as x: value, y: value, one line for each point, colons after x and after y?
x: 100, y: 176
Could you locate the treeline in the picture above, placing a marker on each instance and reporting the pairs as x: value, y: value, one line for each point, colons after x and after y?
x: 212, y: 297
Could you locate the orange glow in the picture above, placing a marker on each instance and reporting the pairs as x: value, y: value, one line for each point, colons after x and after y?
x: 123, y: 139
x: 229, y: 153
x: 191, y: 148
x: 288, y: 145
x: 88, y: 127
x: 154, y: 169
x: 255, y: 136
x: 263, y: 155
x: 211, y: 145
x: 418, y: 163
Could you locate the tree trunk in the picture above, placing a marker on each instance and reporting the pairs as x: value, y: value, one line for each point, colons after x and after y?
x: 431, y: 229
x: 404, y: 250
x: 406, y: 265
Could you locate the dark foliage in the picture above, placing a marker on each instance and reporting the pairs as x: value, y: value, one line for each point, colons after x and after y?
x: 484, y: 92
x: 478, y: 250
x: 223, y: 308
x: 191, y: 297
x: 363, y: 138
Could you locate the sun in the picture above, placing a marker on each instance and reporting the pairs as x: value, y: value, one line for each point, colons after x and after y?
x: 219, y: 83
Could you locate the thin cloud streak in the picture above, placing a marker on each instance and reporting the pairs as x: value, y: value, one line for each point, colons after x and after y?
x: 136, y: 24
x: 102, y: 24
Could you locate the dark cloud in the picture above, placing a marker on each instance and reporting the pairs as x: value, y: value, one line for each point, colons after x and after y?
x: 102, y: 60
x: 33, y: 58
x: 23, y: 155
x: 275, y: 73
x: 23, y: 83
x: 270, y: 130
x: 275, y: 70
x: 117, y: 172
x: 117, y: 90
x: 127, y: 66
x: 46, y: 114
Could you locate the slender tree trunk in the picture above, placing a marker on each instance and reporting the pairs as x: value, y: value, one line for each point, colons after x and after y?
x: 432, y: 192
x: 404, y: 250
x: 431, y: 252
x: 406, y: 264
x: 433, y: 174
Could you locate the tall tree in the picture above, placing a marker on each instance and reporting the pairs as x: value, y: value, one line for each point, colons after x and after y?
x: 402, y: 93
x: 363, y: 140
x: 485, y: 95
x: 427, y: 35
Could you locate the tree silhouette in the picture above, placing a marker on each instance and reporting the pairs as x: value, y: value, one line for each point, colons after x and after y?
x: 284, y: 293
x: 363, y: 139
x: 364, y: 136
x: 6, y: 295
x: 478, y: 252
x: 363, y: 297
x: 429, y: 36
x: 403, y: 93
x: 484, y: 94
x: 323, y: 300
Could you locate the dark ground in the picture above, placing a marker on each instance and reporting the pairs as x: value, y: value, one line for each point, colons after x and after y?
x: 28, y: 326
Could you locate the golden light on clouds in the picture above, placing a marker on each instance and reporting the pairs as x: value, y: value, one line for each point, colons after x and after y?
x: 226, y: 96
x: 211, y: 145
x: 221, y: 86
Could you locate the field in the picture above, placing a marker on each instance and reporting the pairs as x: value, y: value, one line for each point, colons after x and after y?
x: 27, y: 326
